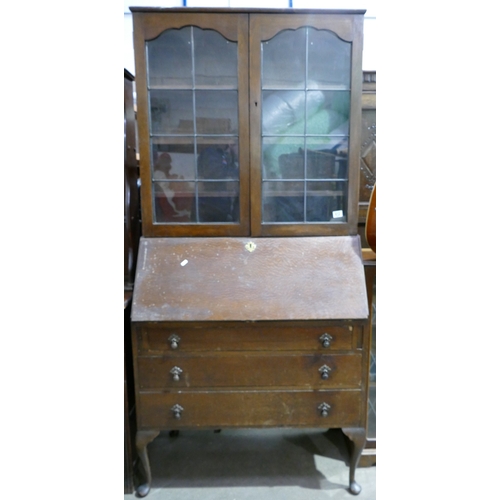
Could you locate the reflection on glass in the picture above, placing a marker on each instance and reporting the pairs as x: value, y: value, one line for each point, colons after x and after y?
x: 325, y: 202
x: 169, y: 60
x: 281, y: 157
x: 193, y: 98
x: 215, y: 60
x: 329, y: 60
x: 327, y: 112
x: 171, y: 111
x: 305, y: 126
x: 283, y: 201
x: 173, y: 200
x: 291, y: 165
x: 217, y: 161
x: 173, y: 158
x: 283, y: 112
x: 216, y: 112
x: 283, y: 60
x: 326, y: 157
x: 218, y: 202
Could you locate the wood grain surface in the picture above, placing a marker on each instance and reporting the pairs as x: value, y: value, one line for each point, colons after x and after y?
x: 219, y: 279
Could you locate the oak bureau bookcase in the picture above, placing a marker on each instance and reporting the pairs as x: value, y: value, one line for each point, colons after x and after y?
x: 249, y: 306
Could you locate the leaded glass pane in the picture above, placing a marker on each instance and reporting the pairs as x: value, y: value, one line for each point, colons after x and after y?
x: 193, y: 112
x: 305, y: 126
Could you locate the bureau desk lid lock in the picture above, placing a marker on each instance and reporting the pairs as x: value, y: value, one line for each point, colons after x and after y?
x: 250, y: 246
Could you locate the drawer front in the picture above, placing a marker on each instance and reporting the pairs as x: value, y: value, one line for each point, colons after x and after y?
x: 319, y: 371
x: 322, y: 338
x: 251, y: 409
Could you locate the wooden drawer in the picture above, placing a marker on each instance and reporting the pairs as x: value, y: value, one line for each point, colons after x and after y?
x: 250, y: 409
x: 301, y: 336
x: 250, y: 370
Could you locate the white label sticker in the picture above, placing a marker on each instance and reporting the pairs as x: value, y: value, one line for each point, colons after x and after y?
x: 337, y: 213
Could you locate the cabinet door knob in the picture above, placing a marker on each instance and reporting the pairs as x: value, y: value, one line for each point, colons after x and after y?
x: 324, y: 408
x: 176, y: 371
x: 325, y: 372
x: 174, y: 341
x: 177, y: 411
x: 325, y: 340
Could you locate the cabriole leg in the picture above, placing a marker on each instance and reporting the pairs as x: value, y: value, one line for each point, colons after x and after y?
x: 357, y: 436
x: 142, y: 439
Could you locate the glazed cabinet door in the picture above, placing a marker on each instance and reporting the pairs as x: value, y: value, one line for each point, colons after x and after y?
x: 192, y: 92
x: 249, y: 122
x: 305, y: 116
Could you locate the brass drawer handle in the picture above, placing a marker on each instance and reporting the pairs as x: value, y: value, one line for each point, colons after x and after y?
x: 324, y: 408
x: 176, y: 371
x: 174, y: 341
x: 177, y: 411
x: 325, y: 372
x: 325, y: 340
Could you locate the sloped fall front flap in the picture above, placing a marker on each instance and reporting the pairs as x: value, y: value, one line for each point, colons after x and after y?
x: 245, y: 279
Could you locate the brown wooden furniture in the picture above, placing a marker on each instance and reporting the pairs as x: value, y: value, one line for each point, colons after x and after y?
x: 249, y: 306
x: 367, y: 183
x: 131, y: 245
x: 283, y: 128
x: 368, y: 153
x: 266, y: 336
x: 369, y: 455
x: 370, y: 227
x: 132, y: 215
x: 130, y: 453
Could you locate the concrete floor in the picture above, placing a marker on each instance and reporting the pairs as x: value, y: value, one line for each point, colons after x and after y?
x: 251, y: 464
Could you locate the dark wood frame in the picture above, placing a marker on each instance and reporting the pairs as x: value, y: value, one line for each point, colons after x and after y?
x: 131, y: 246
x: 369, y: 455
x: 132, y: 202
x: 169, y: 334
x: 132, y: 234
x: 234, y: 27
x: 368, y: 102
x: 249, y: 27
x: 349, y: 28
x: 130, y: 425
